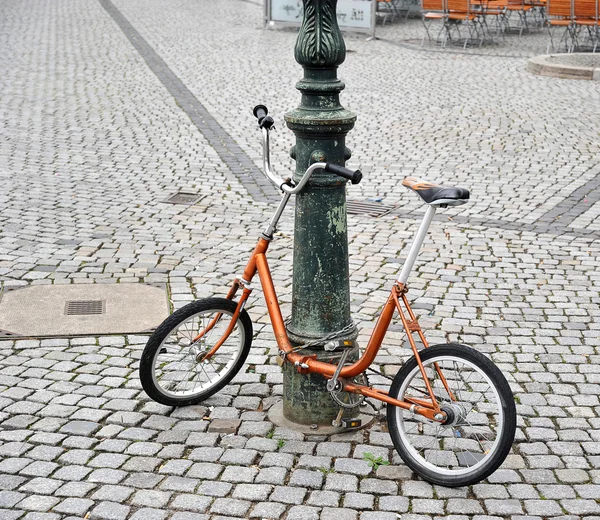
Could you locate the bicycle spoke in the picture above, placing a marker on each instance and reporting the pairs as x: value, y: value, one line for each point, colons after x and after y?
x: 473, y: 411
x: 176, y: 370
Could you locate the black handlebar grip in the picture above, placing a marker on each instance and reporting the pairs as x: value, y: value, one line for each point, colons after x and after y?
x: 264, y: 121
x: 260, y: 112
x: 353, y: 176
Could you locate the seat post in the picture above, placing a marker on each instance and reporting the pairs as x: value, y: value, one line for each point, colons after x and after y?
x: 416, y: 245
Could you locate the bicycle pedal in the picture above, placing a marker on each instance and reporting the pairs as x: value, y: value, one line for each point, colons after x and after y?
x: 351, y: 423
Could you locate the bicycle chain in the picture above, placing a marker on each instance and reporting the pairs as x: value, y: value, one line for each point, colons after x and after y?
x: 321, y: 341
x: 331, y: 336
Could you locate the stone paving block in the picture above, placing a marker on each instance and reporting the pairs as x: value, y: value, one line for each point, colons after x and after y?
x: 343, y: 483
x: 191, y: 502
x: 204, y: 470
x: 427, y: 505
x: 504, y: 507
x: 271, y: 475
x: 84, y: 428
x: 353, y: 466
x: 285, y: 460
x: 9, y: 499
x: 463, y: 506
x: 333, y: 449
x: 372, y: 515
x: 398, y: 504
x: 581, y: 507
x: 238, y: 474
x: 206, y: 454
x: 38, y: 503
x: 150, y: 498
x: 179, y: 484
x: 10, y: 482
x: 324, y: 498
x: 316, y: 462
x: 72, y: 473
x: 268, y: 510
x: 147, y: 513
x: 184, y: 515
x: 9, y: 514
x: 359, y: 501
x: 42, y: 486
x: 226, y: 426
x: 288, y: 495
x: 303, y: 513
x: 308, y: 479
x: 239, y: 456
x: 338, y: 514
x: 253, y: 492
x: 230, y: 506
x: 214, y: 489
x: 109, y: 511
x: 74, y: 506
x: 378, y: 487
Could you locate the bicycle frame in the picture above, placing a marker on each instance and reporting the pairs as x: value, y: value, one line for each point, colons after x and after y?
x: 308, y: 363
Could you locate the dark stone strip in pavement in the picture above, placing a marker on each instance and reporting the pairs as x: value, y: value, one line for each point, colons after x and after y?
x: 574, y: 206
x: 232, y: 155
x: 521, y: 227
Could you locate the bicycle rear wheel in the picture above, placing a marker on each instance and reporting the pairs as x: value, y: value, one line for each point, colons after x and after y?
x: 480, y: 428
x: 172, y: 369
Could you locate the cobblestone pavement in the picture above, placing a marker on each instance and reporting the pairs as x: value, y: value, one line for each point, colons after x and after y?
x: 109, y: 108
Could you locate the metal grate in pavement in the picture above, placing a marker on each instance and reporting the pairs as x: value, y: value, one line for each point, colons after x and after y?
x: 82, y: 309
x: 85, y: 307
x: 183, y: 198
x: 373, y: 209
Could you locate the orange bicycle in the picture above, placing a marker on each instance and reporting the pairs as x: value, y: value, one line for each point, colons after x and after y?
x: 450, y: 411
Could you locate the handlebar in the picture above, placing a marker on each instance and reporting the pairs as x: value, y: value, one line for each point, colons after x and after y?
x: 266, y: 123
x: 353, y: 176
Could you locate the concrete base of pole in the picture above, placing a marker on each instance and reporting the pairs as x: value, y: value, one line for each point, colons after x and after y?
x: 366, y: 414
x: 305, y: 396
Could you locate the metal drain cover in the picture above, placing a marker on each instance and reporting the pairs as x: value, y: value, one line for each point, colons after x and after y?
x: 183, y: 198
x: 374, y: 209
x: 85, y: 307
x: 73, y: 310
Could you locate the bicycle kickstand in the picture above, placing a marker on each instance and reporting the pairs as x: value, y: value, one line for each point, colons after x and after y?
x: 332, y: 386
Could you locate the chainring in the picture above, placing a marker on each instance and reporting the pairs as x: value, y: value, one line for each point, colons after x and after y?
x: 349, y: 400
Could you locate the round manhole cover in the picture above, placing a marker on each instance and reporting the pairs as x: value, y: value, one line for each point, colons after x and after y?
x: 567, y: 66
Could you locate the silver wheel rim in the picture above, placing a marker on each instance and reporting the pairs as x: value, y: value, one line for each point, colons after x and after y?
x: 473, y: 447
x: 175, y: 371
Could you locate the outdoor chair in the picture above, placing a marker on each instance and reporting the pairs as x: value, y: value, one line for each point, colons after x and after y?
x: 560, y: 14
x: 461, y: 13
x: 432, y: 10
x: 538, y: 16
x: 522, y: 9
x: 406, y: 7
x: 387, y: 9
x: 585, y: 16
x: 454, y: 14
x: 496, y: 9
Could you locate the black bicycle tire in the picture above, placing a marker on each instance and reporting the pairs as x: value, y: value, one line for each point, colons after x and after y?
x: 167, y: 326
x: 507, y: 404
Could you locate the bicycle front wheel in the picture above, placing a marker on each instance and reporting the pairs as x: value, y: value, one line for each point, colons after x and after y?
x: 480, y: 429
x: 173, y: 367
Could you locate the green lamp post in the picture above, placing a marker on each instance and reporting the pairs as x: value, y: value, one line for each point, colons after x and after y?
x: 321, y: 288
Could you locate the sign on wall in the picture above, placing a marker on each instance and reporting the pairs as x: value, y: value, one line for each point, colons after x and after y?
x: 357, y: 15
